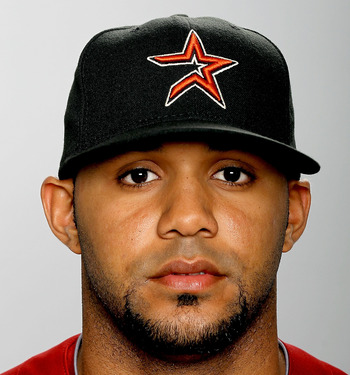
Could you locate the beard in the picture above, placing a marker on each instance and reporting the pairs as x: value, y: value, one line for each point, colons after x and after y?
x: 188, y: 331
x: 185, y: 333
x: 183, y: 337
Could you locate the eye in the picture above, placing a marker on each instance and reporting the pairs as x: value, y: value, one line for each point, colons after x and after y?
x: 233, y: 175
x: 137, y: 176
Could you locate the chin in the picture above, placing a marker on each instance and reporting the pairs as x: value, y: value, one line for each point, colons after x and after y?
x: 190, y: 333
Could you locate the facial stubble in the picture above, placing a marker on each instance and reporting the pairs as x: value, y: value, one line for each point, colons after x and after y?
x: 187, y: 334
x: 163, y: 338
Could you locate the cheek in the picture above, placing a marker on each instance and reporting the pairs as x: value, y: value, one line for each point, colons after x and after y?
x: 254, y: 227
x: 119, y: 229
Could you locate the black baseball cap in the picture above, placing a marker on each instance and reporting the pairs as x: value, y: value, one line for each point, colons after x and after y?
x: 198, y: 79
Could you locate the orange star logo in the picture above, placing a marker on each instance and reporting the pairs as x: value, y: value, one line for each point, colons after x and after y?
x: 205, y: 68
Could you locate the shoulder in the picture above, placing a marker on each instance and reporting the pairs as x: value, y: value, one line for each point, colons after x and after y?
x: 301, y: 363
x: 55, y: 361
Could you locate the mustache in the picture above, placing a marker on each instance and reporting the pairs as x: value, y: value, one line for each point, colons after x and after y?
x: 188, y: 250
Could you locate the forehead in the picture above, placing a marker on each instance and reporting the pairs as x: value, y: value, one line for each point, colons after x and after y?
x: 178, y: 148
x: 176, y: 152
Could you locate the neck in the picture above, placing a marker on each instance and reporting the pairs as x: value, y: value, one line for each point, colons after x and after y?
x: 105, y: 350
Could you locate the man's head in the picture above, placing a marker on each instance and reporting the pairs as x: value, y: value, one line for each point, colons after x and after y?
x: 181, y: 244
x: 180, y: 193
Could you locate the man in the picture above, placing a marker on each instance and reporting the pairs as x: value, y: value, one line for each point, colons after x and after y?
x: 179, y: 186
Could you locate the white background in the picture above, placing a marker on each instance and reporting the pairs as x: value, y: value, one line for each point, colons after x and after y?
x: 40, y: 42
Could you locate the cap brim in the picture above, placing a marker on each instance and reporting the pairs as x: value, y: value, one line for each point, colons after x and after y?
x: 284, y: 157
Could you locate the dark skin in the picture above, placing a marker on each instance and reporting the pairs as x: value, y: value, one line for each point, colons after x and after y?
x: 182, y: 219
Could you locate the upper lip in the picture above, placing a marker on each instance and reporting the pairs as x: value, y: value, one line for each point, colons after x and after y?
x: 186, y: 267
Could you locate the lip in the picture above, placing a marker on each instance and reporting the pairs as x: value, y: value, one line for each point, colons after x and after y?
x: 188, y: 276
x: 185, y: 267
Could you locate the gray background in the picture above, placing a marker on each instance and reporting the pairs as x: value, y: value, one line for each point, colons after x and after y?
x: 40, y: 42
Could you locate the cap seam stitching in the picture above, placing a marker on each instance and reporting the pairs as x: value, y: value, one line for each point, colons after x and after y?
x: 284, y: 63
x: 84, y: 56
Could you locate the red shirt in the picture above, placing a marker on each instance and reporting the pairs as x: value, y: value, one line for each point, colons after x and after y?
x: 60, y: 361
x: 56, y: 361
x: 301, y: 363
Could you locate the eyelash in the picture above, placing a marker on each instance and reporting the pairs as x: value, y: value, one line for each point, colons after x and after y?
x: 251, y: 177
x: 134, y: 185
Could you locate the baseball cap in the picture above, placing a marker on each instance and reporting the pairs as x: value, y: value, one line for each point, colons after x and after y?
x: 183, y: 78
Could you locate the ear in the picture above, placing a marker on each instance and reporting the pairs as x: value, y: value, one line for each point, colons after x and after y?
x: 57, y: 200
x: 299, y: 206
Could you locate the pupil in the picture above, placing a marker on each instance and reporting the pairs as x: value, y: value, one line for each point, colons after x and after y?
x: 139, y: 175
x: 232, y: 174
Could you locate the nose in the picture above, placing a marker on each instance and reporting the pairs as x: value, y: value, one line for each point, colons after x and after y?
x: 187, y: 211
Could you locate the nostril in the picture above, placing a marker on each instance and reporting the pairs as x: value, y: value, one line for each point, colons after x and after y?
x: 205, y: 232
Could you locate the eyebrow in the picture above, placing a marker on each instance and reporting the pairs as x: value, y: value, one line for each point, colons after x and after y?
x: 158, y: 145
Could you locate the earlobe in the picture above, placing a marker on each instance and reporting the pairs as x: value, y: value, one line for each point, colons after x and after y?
x: 299, y: 206
x: 57, y: 200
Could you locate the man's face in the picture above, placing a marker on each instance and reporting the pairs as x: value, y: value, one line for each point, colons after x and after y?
x: 181, y: 244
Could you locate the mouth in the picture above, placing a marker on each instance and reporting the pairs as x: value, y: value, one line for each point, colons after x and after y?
x: 184, y: 276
